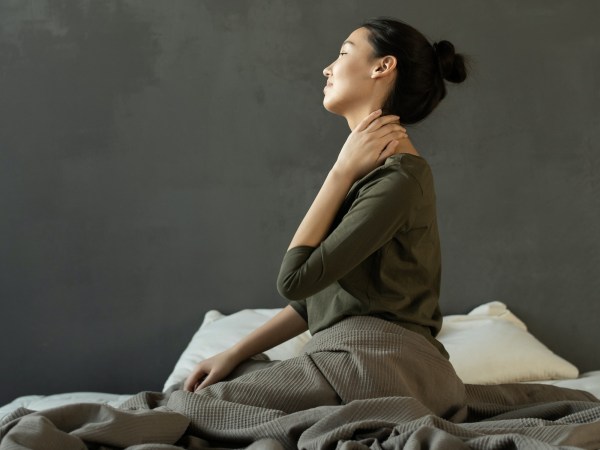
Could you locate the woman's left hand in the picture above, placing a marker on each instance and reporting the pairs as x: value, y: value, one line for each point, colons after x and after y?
x: 374, y: 139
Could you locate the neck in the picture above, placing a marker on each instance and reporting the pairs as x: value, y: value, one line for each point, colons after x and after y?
x: 406, y: 146
x: 355, y: 116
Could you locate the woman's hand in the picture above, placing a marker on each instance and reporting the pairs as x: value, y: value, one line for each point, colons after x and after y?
x: 373, y: 140
x: 211, y: 370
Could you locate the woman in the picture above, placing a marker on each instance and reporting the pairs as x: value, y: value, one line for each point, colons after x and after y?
x: 363, y: 269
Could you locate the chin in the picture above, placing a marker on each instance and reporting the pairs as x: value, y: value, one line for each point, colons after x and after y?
x: 331, y: 108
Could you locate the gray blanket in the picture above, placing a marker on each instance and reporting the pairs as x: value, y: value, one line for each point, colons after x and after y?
x: 365, y: 383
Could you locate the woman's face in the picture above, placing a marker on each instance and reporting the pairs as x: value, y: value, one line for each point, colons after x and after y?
x: 350, y: 82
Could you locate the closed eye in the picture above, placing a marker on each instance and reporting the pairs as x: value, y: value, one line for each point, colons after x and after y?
x: 342, y: 53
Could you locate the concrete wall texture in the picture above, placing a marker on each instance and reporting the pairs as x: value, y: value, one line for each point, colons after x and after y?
x: 156, y: 158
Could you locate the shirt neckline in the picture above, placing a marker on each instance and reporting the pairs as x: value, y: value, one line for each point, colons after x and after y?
x: 402, y: 154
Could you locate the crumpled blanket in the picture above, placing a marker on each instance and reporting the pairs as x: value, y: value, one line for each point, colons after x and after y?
x: 363, y: 383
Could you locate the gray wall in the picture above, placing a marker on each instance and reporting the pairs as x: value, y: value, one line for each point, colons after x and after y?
x: 157, y: 156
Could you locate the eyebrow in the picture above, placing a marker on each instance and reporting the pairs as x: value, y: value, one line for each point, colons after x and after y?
x: 348, y: 42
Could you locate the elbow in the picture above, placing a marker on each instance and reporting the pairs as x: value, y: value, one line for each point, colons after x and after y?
x: 288, y: 287
x: 296, y: 278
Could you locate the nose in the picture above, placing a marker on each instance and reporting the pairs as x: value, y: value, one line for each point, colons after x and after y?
x: 327, y: 71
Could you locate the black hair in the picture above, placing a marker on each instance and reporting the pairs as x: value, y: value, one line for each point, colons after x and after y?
x: 421, y: 67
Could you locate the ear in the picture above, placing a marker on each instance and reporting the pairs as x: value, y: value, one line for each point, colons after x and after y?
x: 384, y: 67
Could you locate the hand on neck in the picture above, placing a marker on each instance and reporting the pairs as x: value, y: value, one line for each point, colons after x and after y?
x: 404, y: 145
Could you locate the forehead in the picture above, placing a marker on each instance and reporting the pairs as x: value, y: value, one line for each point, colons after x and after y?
x: 357, y: 38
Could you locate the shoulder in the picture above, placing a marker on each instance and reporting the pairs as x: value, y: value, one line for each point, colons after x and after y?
x: 415, y: 165
x: 402, y: 173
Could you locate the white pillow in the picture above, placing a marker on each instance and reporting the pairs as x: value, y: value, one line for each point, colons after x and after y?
x: 490, y: 345
x: 218, y: 332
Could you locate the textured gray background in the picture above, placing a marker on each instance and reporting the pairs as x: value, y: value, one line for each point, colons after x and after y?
x: 157, y: 156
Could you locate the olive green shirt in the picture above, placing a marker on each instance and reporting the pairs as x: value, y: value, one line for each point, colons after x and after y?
x: 381, y: 256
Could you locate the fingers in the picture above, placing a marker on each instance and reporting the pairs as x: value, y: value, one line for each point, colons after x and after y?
x: 192, y: 381
x: 374, y: 121
x: 391, y: 132
x: 363, y: 124
x: 207, y: 382
x: 384, y: 124
x: 189, y: 384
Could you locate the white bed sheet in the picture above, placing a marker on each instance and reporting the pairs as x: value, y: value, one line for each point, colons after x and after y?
x: 588, y: 381
x: 39, y: 402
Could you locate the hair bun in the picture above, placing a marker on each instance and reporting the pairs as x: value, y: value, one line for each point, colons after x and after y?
x: 452, y: 64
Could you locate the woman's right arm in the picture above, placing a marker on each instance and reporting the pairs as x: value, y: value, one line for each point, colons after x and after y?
x: 283, y: 326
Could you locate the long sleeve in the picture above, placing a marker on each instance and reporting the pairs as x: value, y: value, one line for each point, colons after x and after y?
x: 382, y: 207
x: 300, y: 307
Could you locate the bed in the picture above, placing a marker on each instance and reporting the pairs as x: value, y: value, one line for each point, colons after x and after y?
x: 487, y: 346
